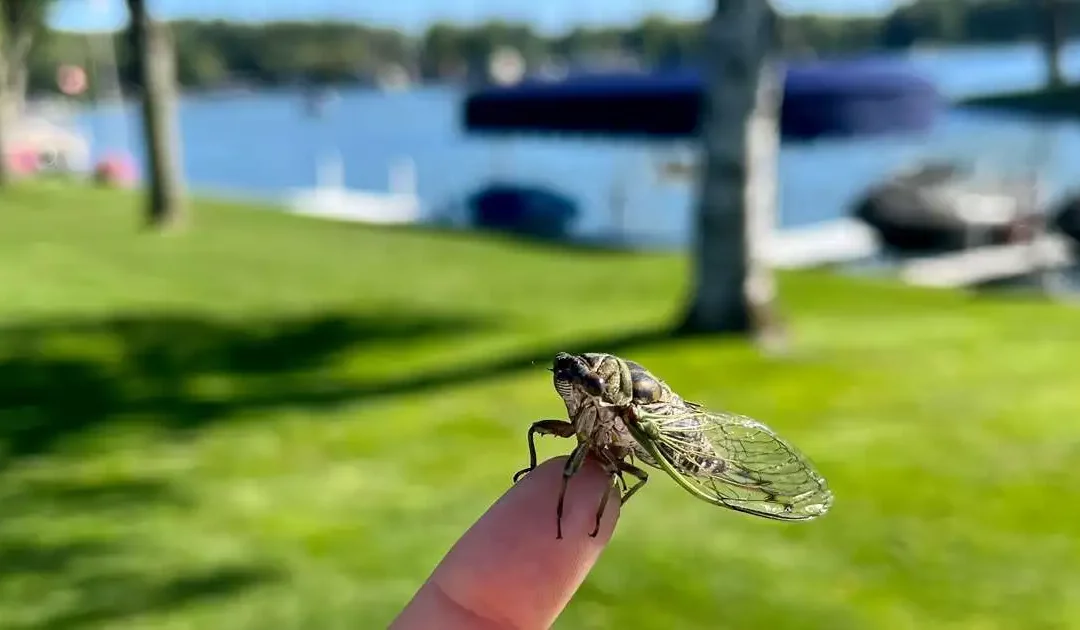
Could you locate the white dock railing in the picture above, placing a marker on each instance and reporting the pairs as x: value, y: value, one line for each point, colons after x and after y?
x: 991, y: 262
x: 828, y: 242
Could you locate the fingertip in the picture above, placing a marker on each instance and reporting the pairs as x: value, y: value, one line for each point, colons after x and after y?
x: 532, y: 502
x: 510, y: 568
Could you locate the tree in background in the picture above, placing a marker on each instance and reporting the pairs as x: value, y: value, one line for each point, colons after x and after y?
x: 155, y: 59
x: 1053, y: 39
x: 733, y: 287
x: 23, y: 21
x: 5, y: 107
x: 20, y: 22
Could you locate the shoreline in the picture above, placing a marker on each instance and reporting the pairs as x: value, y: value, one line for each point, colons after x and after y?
x: 1063, y: 102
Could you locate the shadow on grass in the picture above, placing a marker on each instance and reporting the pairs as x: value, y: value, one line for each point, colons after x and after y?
x: 47, y: 497
x: 536, y: 358
x: 60, y: 380
x: 101, y: 587
x: 95, y: 577
x: 111, y: 597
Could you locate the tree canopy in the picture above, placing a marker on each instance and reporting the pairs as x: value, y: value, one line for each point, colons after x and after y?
x: 213, y: 54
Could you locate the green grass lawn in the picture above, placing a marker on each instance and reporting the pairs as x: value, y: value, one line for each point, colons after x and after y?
x: 278, y: 423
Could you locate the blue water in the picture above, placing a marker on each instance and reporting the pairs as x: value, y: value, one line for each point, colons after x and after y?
x: 264, y: 144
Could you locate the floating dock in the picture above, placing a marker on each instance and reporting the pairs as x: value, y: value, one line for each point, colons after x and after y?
x: 825, y: 243
x: 989, y: 263
x: 331, y: 199
x: 850, y: 240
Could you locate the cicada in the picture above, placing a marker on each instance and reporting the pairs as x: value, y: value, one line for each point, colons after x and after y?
x: 619, y: 411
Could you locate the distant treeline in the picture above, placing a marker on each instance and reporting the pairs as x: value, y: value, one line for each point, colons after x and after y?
x: 219, y: 54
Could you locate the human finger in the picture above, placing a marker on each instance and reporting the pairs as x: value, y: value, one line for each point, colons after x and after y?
x: 508, y: 570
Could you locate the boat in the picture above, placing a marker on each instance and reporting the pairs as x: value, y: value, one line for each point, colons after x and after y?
x: 1065, y: 217
x: 942, y: 206
x: 522, y: 209
x: 36, y: 145
x: 331, y: 199
x: 318, y: 100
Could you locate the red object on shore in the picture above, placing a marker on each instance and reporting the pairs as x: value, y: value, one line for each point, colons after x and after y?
x: 116, y: 170
x: 22, y: 161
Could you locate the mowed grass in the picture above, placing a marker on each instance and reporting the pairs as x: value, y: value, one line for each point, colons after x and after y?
x: 273, y: 422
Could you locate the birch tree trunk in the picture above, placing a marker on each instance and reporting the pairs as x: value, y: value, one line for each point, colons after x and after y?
x: 733, y: 289
x: 1053, y: 39
x: 155, y: 58
x: 20, y: 22
x: 14, y: 46
x: 5, y: 106
x: 13, y: 49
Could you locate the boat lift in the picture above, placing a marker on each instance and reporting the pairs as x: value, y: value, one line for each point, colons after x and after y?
x: 846, y: 98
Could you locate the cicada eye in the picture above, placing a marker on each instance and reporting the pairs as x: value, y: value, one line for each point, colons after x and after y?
x: 593, y: 384
x: 563, y: 361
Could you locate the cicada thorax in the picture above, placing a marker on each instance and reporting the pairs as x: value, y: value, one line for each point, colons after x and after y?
x: 684, y: 442
x: 612, y: 375
x: 646, y: 388
x: 615, y: 381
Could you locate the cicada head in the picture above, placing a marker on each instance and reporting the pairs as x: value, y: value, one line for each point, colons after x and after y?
x: 595, y: 377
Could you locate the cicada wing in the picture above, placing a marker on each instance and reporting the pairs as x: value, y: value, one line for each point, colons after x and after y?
x: 734, y: 461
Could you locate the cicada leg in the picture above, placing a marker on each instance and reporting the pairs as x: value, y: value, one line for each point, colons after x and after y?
x: 641, y: 475
x: 619, y: 483
x: 620, y: 469
x: 560, y: 428
x: 603, y: 505
x: 573, y: 464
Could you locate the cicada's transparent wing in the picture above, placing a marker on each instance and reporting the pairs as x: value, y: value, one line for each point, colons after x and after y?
x: 733, y: 461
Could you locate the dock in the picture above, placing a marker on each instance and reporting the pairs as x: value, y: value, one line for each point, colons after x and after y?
x: 355, y: 206
x: 989, y: 263
x: 849, y: 240
x: 332, y: 199
x: 824, y: 243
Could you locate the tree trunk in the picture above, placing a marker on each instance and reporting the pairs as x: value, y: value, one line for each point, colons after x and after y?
x: 733, y: 286
x: 1053, y: 20
x: 155, y: 58
x: 5, y: 118
x: 16, y: 73
x: 7, y: 102
x: 19, y: 23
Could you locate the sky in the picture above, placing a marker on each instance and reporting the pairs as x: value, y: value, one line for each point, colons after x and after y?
x: 414, y: 15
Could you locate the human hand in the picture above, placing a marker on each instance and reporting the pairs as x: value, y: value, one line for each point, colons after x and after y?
x: 509, y: 572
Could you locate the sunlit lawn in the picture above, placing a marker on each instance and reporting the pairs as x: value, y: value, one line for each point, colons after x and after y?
x: 271, y: 422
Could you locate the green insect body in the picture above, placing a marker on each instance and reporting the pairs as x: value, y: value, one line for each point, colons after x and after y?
x: 619, y: 411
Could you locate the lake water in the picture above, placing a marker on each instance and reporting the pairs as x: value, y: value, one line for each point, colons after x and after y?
x: 261, y: 145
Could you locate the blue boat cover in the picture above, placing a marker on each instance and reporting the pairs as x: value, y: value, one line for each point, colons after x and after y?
x: 835, y: 98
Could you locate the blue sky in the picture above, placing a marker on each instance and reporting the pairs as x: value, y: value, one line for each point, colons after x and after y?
x: 550, y: 15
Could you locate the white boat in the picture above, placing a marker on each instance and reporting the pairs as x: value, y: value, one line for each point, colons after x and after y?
x: 331, y: 199
x: 49, y: 145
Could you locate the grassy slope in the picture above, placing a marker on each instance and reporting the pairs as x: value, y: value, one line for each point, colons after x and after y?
x: 278, y: 423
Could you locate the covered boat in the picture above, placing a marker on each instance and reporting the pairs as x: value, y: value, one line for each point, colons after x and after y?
x: 521, y: 209
x: 941, y: 206
x: 1066, y: 217
x: 821, y: 99
x: 836, y: 98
